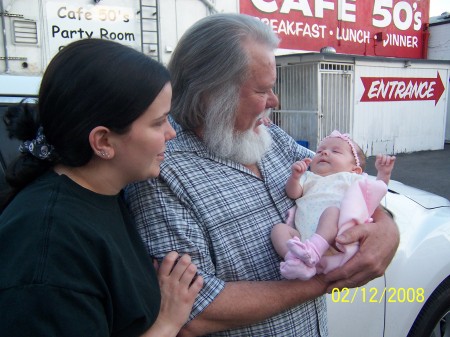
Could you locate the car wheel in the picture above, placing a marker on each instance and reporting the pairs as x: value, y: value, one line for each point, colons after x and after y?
x: 434, y: 318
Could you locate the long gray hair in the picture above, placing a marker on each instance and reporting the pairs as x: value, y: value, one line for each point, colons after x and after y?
x: 210, y: 64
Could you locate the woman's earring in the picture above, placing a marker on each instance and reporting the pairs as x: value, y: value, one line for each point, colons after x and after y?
x: 103, y: 153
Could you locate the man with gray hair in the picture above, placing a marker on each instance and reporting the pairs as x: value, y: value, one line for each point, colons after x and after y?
x: 221, y: 190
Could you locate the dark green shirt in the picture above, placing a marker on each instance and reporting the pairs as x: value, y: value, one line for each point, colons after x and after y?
x: 72, y: 264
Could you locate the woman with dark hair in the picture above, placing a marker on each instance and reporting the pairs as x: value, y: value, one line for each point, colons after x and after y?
x: 71, y: 261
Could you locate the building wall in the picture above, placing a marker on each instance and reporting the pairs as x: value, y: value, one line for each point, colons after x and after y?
x: 439, y: 41
x: 399, y: 126
x: 176, y: 16
x: 392, y: 129
x: 439, y: 49
x: 389, y: 106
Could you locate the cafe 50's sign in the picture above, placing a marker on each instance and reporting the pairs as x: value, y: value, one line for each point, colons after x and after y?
x: 364, y: 27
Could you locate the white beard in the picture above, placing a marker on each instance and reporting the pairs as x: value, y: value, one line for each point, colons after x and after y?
x: 244, y: 147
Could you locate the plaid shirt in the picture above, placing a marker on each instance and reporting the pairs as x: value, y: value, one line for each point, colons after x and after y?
x: 221, y: 214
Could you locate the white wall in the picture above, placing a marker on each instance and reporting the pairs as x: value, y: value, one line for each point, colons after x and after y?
x: 176, y: 16
x: 32, y: 53
x: 439, y: 42
x: 398, y: 127
x: 439, y: 49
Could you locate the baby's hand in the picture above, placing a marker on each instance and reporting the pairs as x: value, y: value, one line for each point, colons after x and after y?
x: 384, y: 162
x: 300, y: 167
x: 266, y: 121
x: 384, y: 165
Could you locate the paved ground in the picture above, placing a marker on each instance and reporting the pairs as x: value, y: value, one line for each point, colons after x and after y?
x: 427, y: 170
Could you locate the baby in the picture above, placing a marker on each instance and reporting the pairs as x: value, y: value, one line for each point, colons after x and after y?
x: 332, y: 197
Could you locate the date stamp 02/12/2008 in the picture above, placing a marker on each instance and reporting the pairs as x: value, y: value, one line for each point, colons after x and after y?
x: 376, y: 295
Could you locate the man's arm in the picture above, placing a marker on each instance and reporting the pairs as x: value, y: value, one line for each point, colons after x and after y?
x: 378, y: 243
x: 246, y: 302
x: 167, y: 223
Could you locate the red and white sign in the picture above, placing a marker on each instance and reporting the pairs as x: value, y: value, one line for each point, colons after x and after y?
x: 394, y: 28
x: 382, y: 89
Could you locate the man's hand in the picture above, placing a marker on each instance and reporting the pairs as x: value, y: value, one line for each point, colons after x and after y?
x: 378, y: 243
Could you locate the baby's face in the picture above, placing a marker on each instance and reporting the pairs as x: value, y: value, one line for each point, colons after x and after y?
x: 333, y: 155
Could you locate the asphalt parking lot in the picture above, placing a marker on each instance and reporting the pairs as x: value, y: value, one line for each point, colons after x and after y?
x: 427, y: 170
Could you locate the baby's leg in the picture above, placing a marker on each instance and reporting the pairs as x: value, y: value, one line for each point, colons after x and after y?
x: 313, y: 249
x: 281, y: 233
x: 328, y: 224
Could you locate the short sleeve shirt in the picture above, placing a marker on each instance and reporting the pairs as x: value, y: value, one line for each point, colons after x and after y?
x: 222, y: 214
x: 72, y: 264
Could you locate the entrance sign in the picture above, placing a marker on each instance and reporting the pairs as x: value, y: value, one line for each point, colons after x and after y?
x: 382, y: 89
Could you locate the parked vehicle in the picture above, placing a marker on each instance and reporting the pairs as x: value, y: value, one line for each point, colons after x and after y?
x: 13, y: 89
x: 413, y: 297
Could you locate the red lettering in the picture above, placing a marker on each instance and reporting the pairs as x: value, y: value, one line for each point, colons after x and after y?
x: 402, y: 89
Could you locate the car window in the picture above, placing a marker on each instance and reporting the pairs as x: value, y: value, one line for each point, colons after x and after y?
x: 9, y: 148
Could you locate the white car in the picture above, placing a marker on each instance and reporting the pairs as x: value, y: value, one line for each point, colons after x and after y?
x: 413, y: 297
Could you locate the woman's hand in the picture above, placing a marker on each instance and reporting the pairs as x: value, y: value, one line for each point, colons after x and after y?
x: 180, y: 285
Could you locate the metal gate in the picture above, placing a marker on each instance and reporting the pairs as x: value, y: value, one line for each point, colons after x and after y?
x: 297, y: 86
x: 336, y: 108
x: 315, y: 99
